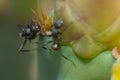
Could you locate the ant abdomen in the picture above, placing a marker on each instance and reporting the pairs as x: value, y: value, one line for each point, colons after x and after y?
x: 55, y: 46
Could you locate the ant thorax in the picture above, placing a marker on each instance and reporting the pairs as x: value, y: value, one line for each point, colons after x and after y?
x: 55, y: 32
x: 34, y: 28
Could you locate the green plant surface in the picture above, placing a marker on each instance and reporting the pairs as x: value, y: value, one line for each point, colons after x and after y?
x: 98, y: 68
x: 56, y: 67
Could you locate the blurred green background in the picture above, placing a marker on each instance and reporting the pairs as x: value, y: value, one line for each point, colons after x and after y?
x: 15, y: 65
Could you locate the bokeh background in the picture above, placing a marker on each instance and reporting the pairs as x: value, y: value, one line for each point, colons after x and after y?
x: 13, y: 64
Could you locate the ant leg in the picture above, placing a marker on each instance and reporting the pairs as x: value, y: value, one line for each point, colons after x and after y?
x: 47, y: 49
x: 26, y: 50
x: 30, y: 41
x: 23, y: 44
x: 41, y: 42
x: 21, y: 27
x: 49, y: 41
x: 68, y: 59
x: 60, y: 55
x: 67, y: 26
x: 64, y: 41
x: 44, y: 46
x: 65, y: 56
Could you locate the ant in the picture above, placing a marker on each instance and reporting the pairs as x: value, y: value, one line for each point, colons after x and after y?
x: 56, y: 33
x: 29, y: 33
x: 56, y: 36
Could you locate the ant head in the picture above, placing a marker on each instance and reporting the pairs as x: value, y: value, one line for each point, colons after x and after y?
x: 26, y: 32
x: 55, y: 46
x: 58, y: 23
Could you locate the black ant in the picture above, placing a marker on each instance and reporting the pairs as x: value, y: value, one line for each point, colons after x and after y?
x: 56, y: 33
x: 56, y: 36
x: 29, y: 32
